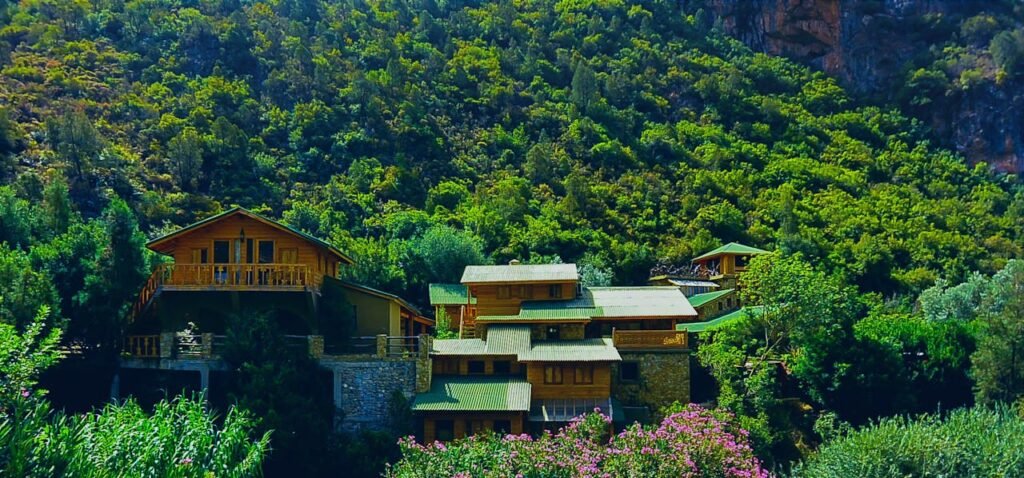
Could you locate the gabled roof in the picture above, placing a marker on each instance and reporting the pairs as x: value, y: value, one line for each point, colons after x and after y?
x: 697, y: 300
x: 155, y: 243
x: 450, y: 294
x: 694, y: 327
x: 520, y: 273
x: 475, y: 394
x: 585, y: 350
x: 731, y: 248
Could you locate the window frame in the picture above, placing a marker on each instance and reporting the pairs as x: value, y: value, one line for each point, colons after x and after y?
x: 553, y: 375
x: 583, y: 375
x: 471, y: 363
x: 555, y: 291
x: 504, y: 292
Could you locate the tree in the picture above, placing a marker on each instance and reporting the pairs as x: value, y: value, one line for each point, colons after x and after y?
x: 285, y: 388
x: 17, y: 220
x: 24, y: 290
x: 444, y: 252
x: 60, y: 212
x: 998, y: 363
x: 76, y: 141
x: 185, y: 152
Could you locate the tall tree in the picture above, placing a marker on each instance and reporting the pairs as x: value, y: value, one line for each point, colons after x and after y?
x: 998, y: 363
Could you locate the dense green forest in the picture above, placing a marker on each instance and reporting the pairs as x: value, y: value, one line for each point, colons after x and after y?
x: 420, y: 136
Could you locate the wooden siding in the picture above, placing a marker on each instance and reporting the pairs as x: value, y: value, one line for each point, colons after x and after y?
x: 488, y: 302
x: 467, y: 423
x: 287, y: 247
x: 460, y: 365
x: 601, y: 388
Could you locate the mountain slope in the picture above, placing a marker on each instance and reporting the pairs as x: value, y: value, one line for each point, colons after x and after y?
x: 609, y: 133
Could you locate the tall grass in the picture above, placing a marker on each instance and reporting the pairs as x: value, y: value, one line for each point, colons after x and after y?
x: 975, y: 442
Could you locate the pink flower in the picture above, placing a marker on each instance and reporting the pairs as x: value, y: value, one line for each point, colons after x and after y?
x: 24, y: 393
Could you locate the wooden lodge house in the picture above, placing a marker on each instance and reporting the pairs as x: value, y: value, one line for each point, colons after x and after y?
x: 239, y: 262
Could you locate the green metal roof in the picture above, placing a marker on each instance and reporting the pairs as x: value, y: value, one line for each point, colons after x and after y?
x: 695, y: 327
x: 731, y: 248
x: 648, y: 301
x: 246, y: 212
x: 476, y: 394
x: 520, y: 273
x: 604, y: 302
x: 459, y: 347
x: 585, y: 350
x: 697, y: 300
x: 503, y: 339
x: 450, y: 294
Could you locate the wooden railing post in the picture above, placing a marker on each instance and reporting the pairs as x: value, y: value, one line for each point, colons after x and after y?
x: 382, y: 346
x: 206, y: 346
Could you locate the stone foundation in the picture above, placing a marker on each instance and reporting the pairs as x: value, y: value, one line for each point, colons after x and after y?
x: 664, y: 378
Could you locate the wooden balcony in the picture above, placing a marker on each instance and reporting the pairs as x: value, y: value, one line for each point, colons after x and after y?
x: 226, y: 277
x: 649, y: 339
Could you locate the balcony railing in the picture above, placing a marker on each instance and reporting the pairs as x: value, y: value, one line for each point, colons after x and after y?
x: 178, y: 345
x: 225, y: 277
x: 235, y: 275
x: 649, y: 339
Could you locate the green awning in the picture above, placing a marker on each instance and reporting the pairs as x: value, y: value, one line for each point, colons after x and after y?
x: 698, y: 300
x: 695, y: 327
x: 475, y: 394
x: 450, y: 294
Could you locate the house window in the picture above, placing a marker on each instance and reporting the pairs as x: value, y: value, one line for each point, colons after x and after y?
x: 504, y: 292
x: 526, y: 292
x: 221, y: 252
x: 629, y: 371
x: 289, y: 256
x: 200, y: 256
x: 444, y: 430
x: 585, y: 374
x: 553, y: 374
x: 249, y: 257
x: 503, y: 427
x: 555, y: 291
x: 741, y: 261
x: 475, y: 367
x: 553, y: 332
x: 719, y: 306
x: 502, y: 367
x: 728, y: 302
x: 266, y: 252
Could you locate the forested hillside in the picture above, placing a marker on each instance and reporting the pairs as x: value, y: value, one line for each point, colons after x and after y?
x: 609, y: 133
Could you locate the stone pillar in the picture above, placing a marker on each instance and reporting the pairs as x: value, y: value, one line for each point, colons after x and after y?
x: 382, y: 346
x: 316, y: 345
x: 166, y: 345
x: 206, y: 350
x: 424, y: 364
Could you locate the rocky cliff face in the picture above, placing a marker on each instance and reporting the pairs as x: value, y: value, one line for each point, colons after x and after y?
x: 869, y: 46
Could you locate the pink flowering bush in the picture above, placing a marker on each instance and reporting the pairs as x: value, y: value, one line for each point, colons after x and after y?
x: 694, y: 442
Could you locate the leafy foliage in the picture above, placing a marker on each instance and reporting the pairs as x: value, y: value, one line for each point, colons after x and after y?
x: 690, y: 443
x: 972, y: 442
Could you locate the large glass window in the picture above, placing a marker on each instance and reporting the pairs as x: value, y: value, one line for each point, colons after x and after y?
x: 502, y: 367
x: 266, y: 252
x: 555, y: 291
x: 475, y: 367
x: 221, y: 252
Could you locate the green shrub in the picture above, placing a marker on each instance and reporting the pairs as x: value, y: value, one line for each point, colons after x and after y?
x: 975, y: 442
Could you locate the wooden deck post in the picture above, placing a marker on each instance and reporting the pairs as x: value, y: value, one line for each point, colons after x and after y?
x: 206, y: 350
